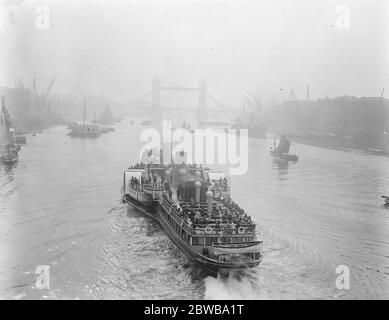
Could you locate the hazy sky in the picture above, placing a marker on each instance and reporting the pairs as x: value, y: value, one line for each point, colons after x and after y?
x: 116, y: 47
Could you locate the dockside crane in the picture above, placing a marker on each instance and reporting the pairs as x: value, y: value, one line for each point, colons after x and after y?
x: 255, y: 104
x: 48, y: 90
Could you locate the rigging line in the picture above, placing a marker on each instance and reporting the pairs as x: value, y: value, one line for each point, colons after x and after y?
x: 219, y: 103
x: 140, y: 98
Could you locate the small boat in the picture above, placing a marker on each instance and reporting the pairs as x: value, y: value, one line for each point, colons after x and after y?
x: 9, y: 151
x: 85, y: 130
x: 194, y: 207
x: 10, y: 156
x: 287, y: 157
x: 386, y: 201
x: 107, y: 129
x: 282, y: 150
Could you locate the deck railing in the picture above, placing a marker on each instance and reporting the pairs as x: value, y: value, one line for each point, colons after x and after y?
x: 206, y: 229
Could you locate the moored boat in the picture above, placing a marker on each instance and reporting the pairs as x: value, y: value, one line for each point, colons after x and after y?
x: 9, y: 151
x: 85, y: 130
x: 9, y: 156
x: 194, y: 207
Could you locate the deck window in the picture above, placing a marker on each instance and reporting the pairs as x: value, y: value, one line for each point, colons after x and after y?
x: 197, y: 241
x: 210, y: 240
x: 226, y: 239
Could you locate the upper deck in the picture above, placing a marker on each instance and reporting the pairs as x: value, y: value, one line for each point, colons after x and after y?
x: 196, y: 219
x: 198, y: 198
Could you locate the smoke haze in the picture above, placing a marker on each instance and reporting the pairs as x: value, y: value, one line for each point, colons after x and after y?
x: 115, y: 48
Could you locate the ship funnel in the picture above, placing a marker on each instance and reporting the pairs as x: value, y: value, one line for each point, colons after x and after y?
x: 197, y: 186
x: 168, y: 175
x: 209, y: 195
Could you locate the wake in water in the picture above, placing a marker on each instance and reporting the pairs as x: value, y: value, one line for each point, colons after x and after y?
x: 288, y: 271
x: 139, y: 261
x: 233, y: 287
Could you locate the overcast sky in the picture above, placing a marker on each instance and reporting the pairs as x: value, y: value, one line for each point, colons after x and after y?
x: 115, y: 48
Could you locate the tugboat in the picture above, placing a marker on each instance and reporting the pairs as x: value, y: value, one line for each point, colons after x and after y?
x: 85, y: 130
x: 9, y: 152
x: 194, y: 207
x: 282, y: 150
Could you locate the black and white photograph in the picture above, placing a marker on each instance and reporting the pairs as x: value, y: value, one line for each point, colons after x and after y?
x: 194, y: 150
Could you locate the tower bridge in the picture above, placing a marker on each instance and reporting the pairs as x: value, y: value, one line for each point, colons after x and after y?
x: 202, y: 110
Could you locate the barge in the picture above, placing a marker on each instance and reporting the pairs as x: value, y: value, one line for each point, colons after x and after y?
x: 9, y: 151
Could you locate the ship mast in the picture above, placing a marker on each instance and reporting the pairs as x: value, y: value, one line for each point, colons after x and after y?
x: 6, y: 118
x: 83, y: 125
x: 171, y: 147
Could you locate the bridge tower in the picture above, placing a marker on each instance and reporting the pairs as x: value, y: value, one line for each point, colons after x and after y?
x: 156, y: 100
x: 202, y: 106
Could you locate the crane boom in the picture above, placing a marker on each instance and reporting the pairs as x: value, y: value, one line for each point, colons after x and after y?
x: 49, y: 88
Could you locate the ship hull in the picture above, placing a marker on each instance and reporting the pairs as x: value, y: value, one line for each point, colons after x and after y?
x: 285, y: 156
x: 84, y: 135
x: 9, y: 159
x: 155, y: 212
x: 329, y: 140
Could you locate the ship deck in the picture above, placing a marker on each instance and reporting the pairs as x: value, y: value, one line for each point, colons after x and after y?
x: 161, y: 212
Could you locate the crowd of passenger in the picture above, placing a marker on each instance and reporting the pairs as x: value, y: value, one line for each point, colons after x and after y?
x: 226, y: 215
x: 195, y: 166
x: 140, y: 165
x: 152, y: 179
x: 220, y: 185
x: 136, y: 183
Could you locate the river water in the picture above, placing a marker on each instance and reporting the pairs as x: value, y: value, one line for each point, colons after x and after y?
x: 60, y: 207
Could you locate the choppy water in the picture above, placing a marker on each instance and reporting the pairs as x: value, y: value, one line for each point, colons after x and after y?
x: 60, y: 206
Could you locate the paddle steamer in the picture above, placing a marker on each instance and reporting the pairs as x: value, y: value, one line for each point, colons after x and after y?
x: 194, y: 207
